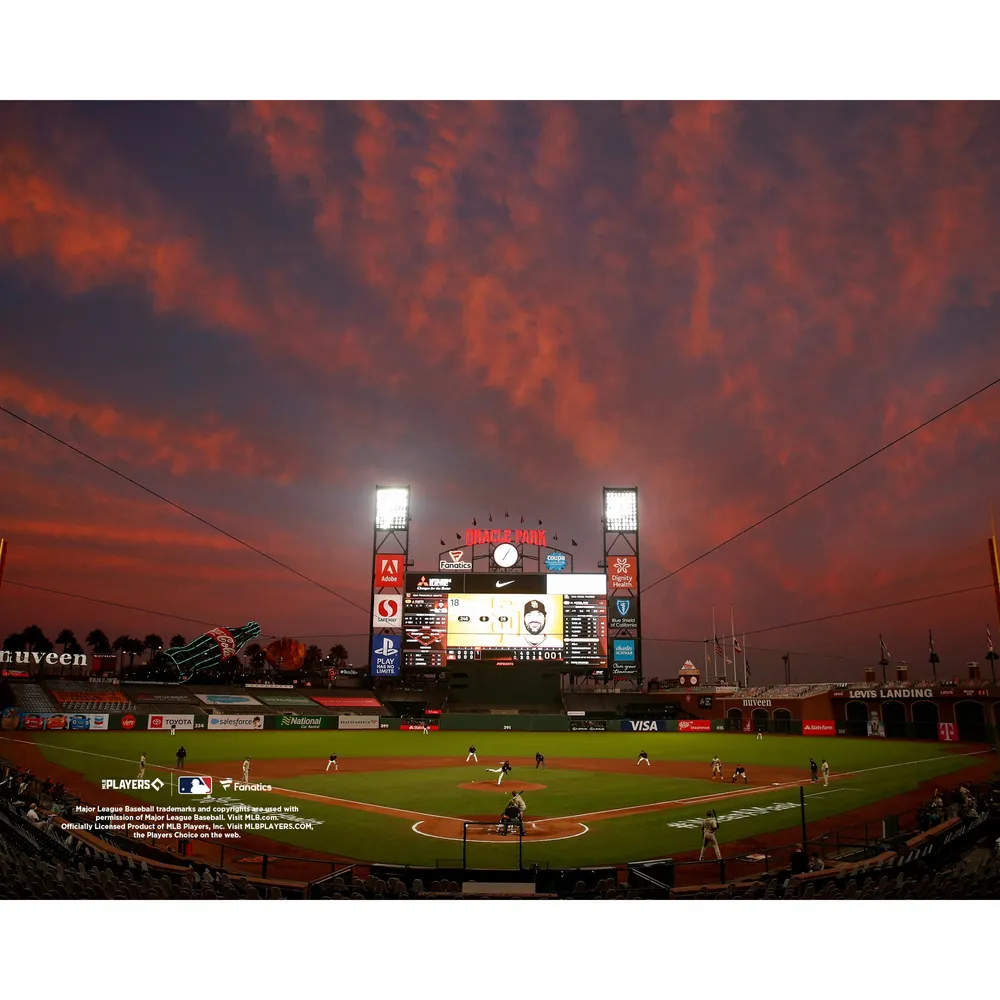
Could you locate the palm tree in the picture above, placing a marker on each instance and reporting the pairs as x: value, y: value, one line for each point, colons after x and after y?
x: 153, y: 643
x: 98, y: 642
x: 33, y: 637
x: 120, y: 646
x: 176, y: 641
x: 64, y: 638
x: 133, y: 647
x: 339, y: 655
x: 254, y: 653
x: 14, y: 643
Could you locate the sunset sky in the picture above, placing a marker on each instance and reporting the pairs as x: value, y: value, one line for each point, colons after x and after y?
x: 262, y: 311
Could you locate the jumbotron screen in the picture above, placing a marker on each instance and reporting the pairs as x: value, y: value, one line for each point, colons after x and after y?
x: 502, y: 618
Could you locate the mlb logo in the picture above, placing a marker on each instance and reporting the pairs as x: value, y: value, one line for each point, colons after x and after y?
x: 194, y: 785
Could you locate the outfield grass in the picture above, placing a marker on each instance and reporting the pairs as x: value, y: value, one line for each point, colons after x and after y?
x: 887, y: 768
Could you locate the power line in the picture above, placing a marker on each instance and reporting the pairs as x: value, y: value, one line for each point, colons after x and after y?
x: 827, y: 482
x: 183, y: 510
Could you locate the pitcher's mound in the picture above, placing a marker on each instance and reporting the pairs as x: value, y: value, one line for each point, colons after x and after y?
x: 487, y: 785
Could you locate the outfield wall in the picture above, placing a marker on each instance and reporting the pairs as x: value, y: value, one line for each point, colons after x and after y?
x: 501, y: 722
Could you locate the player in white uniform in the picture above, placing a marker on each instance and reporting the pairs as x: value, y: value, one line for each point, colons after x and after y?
x: 716, y: 768
x: 173, y: 730
x: 142, y: 765
x: 427, y: 732
x: 502, y: 770
x: 708, y: 827
x: 825, y: 768
x: 246, y: 770
x: 643, y: 758
x: 760, y: 734
x: 519, y: 802
x: 472, y: 754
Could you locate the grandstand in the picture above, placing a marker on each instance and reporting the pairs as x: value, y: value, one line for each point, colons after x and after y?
x: 97, y: 696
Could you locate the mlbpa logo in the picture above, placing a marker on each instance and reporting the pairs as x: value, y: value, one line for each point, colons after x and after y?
x: 623, y: 606
x: 388, y: 613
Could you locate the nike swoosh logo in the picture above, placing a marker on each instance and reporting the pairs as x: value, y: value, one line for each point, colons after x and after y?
x: 507, y: 584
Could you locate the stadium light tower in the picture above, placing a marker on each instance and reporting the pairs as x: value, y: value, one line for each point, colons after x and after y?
x: 621, y: 564
x: 390, y: 561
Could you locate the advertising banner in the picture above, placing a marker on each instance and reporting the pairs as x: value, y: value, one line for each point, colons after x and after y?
x: 948, y: 732
x: 227, y: 699
x: 588, y: 725
x: 718, y: 725
x: 820, y: 727
x: 694, y: 726
x: 231, y: 722
x: 624, y: 650
x: 387, y: 652
x: 272, y: 687
x: 388, y: 571
x: 388, y: 611
x: 57, y: 721
x: 10, y: 718
x: 622, y: 573
x: 643, y: 726
x: 358, y: 722
x: 623, y: 612
x: 160, y: 698
x: 875, y: 727
x: 282, y: 700
x: 414, y: 725
x: 346, y: 702
x: 168, y: 722
x: 305, y: 721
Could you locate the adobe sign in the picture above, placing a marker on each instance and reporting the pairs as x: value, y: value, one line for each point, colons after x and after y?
x: 389, y: 570
x: 388, y: 611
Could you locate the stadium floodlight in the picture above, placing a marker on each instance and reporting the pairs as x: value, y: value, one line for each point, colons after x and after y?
x: 621, y: 510
x: 392, y: 508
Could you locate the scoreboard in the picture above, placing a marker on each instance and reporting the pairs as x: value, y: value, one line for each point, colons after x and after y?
x: 505, y: 618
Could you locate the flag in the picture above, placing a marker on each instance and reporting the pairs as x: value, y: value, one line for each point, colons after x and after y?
x: 555, y: 538
x: 746, y: 667
x: 491, y: 517
x: 989, y: 639
x: 572, y: 541
x: 441, y: 540
x: 522, y: 519
x: 737, y: 648
x: 473, y: 522
x: 718, y: 648
x: 458, y: 536
x: 539, y: 522
x: 930, y: 641
x: 885, y: 652
x: 505, y: 514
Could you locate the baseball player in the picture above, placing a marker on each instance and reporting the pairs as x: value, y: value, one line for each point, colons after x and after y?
x: 472, y: 754
x: 427, y: 731
x: 740, y: 772
x: 333, y: 761
x: 173, y: 730
x: 709, y: 825
x: 502, y: 771
x: 760, y: 733
x: 813, y: 770
x: 246, y: 770
x: 716, y: 768
x: 519, y: 802
x: 142, y: 765
x: 643, y: 758
x: 539, y: 761
x: 825, y: 768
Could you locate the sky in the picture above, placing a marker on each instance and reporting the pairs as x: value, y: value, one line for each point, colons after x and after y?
x: 261, y: 311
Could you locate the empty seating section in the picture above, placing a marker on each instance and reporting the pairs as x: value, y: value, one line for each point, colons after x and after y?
x: 100, y: 696
x: 31, y: 698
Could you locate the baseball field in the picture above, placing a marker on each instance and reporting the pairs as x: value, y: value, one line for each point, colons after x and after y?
x: 402, y: 797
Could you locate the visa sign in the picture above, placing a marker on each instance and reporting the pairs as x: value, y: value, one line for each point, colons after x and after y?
x: 386, y: 655
x: 642, y: 726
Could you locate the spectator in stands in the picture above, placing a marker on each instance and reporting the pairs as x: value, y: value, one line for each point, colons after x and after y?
x: 816, y: 863
x: 798, y: 862
x: 32, y: 814
x: 46, y: 786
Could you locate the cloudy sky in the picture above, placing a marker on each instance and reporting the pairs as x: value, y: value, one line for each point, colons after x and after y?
x: 261, y: 311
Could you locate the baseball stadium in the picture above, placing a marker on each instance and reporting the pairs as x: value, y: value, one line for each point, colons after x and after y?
x: 502, y: 741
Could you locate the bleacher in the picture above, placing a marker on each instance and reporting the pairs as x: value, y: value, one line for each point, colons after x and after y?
x: 97, y: 696
x: 31, y: 697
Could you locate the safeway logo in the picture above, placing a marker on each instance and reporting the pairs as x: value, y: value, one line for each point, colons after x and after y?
x: 388, y: 571
x: 388, y: 613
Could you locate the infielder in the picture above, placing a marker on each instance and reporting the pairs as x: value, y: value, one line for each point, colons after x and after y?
x: 472, y: 754
x: 142, y: 765
x: 740, y: 772
x: 427, y: 732
x: 760, y: 733
x: 333, y: 761
x: 502, y: 770
x: 643, y: 758
x: 246, y: 770
x: 825, y: 768
x: 708, y: 827
x: 716, y: 768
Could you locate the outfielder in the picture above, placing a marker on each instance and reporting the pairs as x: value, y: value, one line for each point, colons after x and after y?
x: 246, y: 770
x: 708, y: 827
x: 173, y: 730
x: 716, y: 768
x: 472, y: 754
x: 643, y: 758
x: 760, y: 733
x: 333, y: 761
x: 142, y: 765
x: 825, y: 768
x: 502, y: 770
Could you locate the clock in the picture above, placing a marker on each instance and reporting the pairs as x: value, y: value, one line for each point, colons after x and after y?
x: 505, y: 555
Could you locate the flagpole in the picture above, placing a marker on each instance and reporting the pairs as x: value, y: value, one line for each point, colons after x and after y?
x: 715, y: 643
x: 732, y: 629
x: 745, y: 685
x: 706, y: 656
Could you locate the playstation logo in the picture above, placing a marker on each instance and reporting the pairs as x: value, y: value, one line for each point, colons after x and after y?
x: 387, y: 648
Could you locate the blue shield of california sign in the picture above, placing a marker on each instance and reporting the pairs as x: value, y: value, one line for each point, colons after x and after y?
x: 386, y: 655
x: 623, y: 613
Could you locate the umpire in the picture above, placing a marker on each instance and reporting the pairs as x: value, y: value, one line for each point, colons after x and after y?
x: 539, y: 762
x: 181, y: 757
